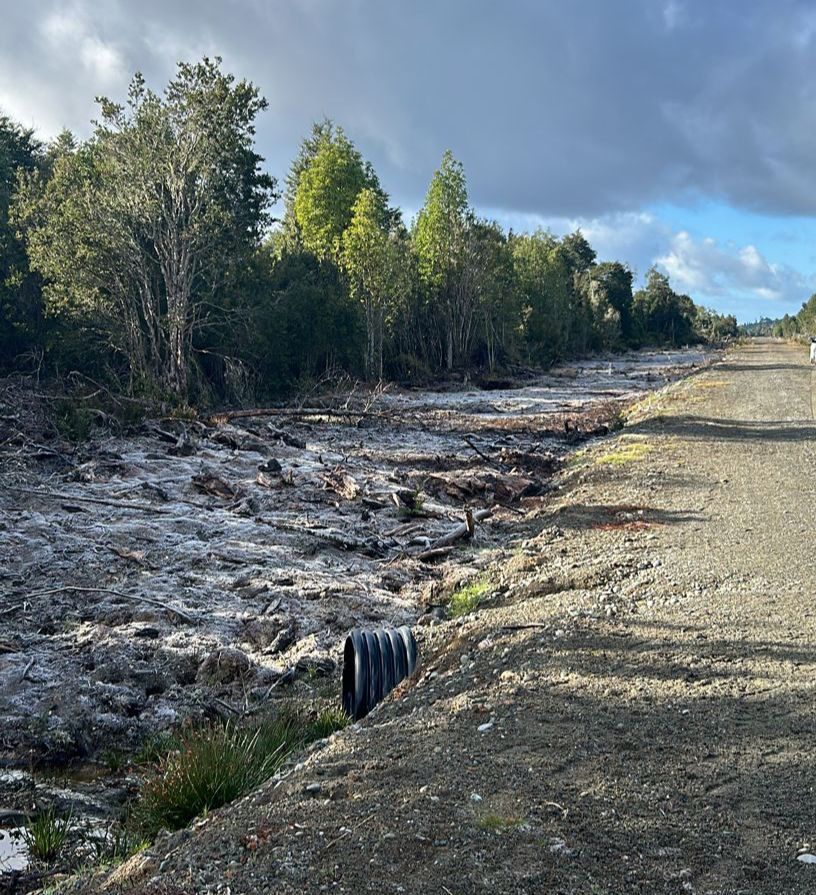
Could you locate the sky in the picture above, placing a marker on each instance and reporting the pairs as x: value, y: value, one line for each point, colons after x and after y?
x: 678, y: 133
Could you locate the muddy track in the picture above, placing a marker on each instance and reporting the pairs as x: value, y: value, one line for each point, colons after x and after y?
x: 630, y: 709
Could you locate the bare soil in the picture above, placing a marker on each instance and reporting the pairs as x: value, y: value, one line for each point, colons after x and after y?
x: 150, y: 576
x: 630, y: 711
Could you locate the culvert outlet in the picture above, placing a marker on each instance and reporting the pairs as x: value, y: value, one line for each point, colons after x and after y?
x: 374, y: 662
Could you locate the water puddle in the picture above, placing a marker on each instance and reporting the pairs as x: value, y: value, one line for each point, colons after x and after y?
x: 80, y: 792
x: 13, y: 851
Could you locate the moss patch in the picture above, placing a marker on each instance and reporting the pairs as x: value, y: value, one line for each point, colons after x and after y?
x: 467, y: 597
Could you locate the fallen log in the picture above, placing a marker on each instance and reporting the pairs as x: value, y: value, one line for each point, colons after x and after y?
x: 120, y: 504
x: 115, y: 593
x: 465, y: 529
x: 438, y: 553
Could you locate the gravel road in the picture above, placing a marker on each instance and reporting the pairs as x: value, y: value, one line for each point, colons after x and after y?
x: 631, y: 708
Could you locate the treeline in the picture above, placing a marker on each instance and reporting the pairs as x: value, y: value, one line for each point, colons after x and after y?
x: 802, y: 324
x: 147, y: 258
x: 765, y: 326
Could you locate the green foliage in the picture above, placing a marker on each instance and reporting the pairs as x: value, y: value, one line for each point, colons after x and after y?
x: 497, y: 823
x: 493, y: 282
x: 765, y: 326
x: 440, y: 240
x: 543, y: 280
x: 440, y: 226
x: 45, y: 835
x: 74, y: 421
x: 156, y: 747
x: 332, y: 175
x: 373, y: 258
x: 787, y: 327
x: 300, y: 323
x: 327, y: 722
x: 468, y: 597
x: 713, y: 327
x: 155, y: 214
x: 208, y: 769
x: 660, y: 315
x: 21, y: 321
x: 141, y: 258
x: 201, y: 769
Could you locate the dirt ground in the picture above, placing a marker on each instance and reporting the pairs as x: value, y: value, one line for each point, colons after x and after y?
x: 201, y: 568
x: 629, y: 710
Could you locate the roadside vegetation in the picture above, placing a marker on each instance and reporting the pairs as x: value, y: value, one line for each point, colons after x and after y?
x: 802, y: 324
x: 45, y: 834
x: 205, y: 768
x: 182, y: 774
x: 201, y: 300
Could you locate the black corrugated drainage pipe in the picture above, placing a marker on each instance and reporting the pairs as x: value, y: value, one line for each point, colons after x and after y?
x: 374, y: 662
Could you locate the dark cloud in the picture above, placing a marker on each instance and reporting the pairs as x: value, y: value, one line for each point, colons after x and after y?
x: 562, y: 109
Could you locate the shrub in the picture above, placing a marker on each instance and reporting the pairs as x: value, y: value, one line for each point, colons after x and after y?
x: 45, y: 835
x: 74, y: 422
x: 208, y: 767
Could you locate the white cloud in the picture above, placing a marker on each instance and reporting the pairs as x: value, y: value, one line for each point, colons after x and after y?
x: 673, y: 14
x: 706, y: 267
x: 70, y: 34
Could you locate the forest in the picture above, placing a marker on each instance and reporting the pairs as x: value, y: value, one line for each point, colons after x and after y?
x: 151, y: 258
x: 799, y: 325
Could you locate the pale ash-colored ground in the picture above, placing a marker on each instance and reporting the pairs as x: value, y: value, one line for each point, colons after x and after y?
x: 654, y: 732
x: 207, y: 600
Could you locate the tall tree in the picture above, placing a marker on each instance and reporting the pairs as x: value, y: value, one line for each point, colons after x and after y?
x: 372, y: 256
x: 582, y: 255
x: 330, y: 174
x: 543, y: 277
x: 660, y: 314
x: 613, y: 280
x: 491, y: 265
x: 148, y: 221
x: 20, y: 297
x: 440, y: 239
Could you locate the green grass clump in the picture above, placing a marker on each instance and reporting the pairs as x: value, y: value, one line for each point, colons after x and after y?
x: 208, y: 767
x: 467, y: 597
x: 627, y: 453
x: 495, y: 823
x: 45, y: 835
x: 156, y: 747
x: 327, y: 722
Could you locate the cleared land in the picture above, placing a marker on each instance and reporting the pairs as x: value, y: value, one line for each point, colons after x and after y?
x: 629, y: 707
x: 654, y: 732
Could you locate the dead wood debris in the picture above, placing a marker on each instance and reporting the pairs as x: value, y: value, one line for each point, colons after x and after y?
x: 464, y: 530
x: 209, y: 483
x: 341, y: 483
x: 61, y: 495
x: 114, y: 593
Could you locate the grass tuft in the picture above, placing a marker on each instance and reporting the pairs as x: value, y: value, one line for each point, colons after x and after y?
x: 495, y: 823
x: 467, y: 597
x: 208, y: 767
x: 328, y: 722
x: 45, y: 835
